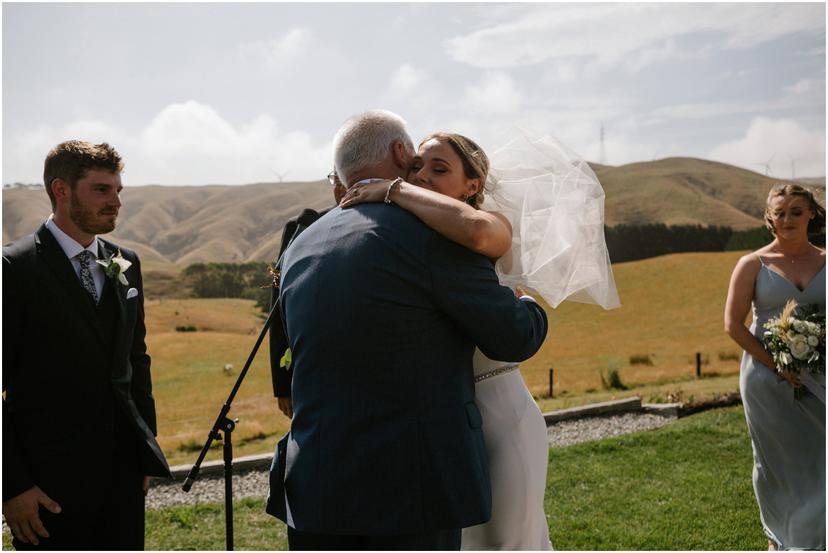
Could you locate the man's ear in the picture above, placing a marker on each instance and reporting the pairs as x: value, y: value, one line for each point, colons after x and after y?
x: 400, y: 155
x: 60, y: 189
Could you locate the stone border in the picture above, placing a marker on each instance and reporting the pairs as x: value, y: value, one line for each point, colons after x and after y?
x: 603, y: 409
x: 216, y: 468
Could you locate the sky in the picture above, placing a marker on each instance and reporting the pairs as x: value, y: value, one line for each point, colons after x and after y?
x: 222, y: 93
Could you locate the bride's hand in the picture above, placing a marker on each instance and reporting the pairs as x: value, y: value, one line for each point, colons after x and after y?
x: 360, y: 194
x: 792, y: 378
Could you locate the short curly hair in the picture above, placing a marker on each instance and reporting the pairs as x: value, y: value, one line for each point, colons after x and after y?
x: 816, y: 225
x: 70, y: 160
x: 474, y: 159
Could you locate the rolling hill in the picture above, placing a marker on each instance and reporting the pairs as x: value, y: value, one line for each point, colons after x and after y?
x: 188, y: 224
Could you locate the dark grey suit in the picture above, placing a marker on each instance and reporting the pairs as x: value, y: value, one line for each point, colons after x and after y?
x: 382, y: 315
x: 78, y: 415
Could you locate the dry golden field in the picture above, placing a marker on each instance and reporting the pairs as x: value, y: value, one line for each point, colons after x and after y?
x: 672, y: 308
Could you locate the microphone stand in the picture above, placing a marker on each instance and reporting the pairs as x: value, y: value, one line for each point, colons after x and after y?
x: 223, y: 426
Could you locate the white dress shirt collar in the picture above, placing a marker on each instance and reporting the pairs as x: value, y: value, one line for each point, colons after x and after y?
x: 69, y: 245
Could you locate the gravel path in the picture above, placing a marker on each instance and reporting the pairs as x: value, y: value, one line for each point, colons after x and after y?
x: 595, y: 428
x: 255, y: 483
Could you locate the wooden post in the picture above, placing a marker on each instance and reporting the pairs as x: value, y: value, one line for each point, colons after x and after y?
x: 698, y: 365
x: 551, y: 382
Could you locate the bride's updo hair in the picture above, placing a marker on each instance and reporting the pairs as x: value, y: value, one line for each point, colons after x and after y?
x: 816, y: 226
x: 474, y: 159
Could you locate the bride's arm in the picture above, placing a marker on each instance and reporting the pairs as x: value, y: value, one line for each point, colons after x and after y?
x: 485, y: 232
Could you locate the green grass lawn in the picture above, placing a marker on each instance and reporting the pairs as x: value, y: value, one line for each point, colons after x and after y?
x: 684, y: 486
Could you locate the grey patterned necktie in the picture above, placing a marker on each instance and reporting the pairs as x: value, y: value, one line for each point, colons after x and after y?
x: 85, y: 258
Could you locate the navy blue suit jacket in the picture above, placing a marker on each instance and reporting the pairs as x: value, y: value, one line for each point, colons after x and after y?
x: 382, y: 315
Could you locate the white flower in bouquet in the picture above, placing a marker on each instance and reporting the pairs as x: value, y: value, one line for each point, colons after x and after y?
x: 796, y: 340
x: 799, y: 347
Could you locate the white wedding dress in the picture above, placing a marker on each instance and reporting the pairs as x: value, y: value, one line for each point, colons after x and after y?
x: 518, y: 448
x: 555, y: 205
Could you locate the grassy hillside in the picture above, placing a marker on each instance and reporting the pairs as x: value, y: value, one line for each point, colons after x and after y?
x: 678, y: 191
x: 187, y: 224
x: 672, y: 307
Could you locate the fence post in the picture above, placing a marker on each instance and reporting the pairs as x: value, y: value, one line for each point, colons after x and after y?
x: 698, y: 365
x: 551, y: 382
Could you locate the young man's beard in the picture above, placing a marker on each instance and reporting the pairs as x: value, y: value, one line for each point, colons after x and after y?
x: 86, y: 219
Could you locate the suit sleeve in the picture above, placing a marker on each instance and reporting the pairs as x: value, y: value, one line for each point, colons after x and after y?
x: 16, y: 476
x: 140, y: 360
x: 466, y: 288
x: 280, y: 375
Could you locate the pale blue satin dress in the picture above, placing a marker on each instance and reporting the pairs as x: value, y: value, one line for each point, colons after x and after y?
x: 788, y: 435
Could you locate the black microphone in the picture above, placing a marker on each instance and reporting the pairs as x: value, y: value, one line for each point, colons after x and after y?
x: 305, y: 219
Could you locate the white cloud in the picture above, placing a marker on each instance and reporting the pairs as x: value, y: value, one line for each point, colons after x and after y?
x: 607, y: 34
x: 406, y: 78
x: 496, y: 92
x: 783, y: 143
x: 805, y: 86
x: 284, y: 49
x: 188, y: 143
x: 663, y: 53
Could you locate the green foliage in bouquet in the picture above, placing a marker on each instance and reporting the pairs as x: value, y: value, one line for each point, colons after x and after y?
x: 796, y: 339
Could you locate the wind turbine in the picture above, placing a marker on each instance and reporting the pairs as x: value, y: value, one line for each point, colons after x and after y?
x: 793, y: 166
x: 280, y: 176
x: 767, y: 165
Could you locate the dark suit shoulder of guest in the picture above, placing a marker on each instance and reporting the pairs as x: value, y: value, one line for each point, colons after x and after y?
x: 69, y: 376
x: 383, y: 315
x: 281, y: 375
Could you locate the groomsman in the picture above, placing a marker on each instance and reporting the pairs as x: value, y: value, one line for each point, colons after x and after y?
x: 78, y: 413
x: 280, y: 371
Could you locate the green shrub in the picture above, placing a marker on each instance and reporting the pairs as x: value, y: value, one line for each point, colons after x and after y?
x: 612, y: 380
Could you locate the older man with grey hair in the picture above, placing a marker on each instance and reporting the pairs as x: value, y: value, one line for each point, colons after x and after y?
x: 370, y: 145
x: 382, y: 315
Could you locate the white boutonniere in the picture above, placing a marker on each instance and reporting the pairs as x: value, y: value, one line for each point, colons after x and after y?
x: 116, y: 266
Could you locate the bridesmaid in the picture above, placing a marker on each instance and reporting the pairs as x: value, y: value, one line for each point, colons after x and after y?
x: 788, y: 435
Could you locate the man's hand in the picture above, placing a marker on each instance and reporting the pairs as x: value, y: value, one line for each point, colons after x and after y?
x: 21, y: 512
x: 146, y: 484
x: 286, y: 406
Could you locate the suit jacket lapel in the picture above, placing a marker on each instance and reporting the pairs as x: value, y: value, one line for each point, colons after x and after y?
x: 63, y: 271
x: 120, y: 297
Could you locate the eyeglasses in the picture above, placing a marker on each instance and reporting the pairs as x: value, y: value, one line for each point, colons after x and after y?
x: 332, y: 178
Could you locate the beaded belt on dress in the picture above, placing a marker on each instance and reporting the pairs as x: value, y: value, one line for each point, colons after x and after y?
x: 495, y: 372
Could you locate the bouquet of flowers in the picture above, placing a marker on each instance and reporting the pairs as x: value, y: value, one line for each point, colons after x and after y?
x: 796, y: 339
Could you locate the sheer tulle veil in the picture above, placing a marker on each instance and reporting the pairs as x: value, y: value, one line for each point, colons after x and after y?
x: 556, y: 207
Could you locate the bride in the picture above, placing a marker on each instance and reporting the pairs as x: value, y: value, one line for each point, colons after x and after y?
x: 539, y: 213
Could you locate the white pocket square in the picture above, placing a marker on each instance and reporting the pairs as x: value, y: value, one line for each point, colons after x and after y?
x: 131, y: 293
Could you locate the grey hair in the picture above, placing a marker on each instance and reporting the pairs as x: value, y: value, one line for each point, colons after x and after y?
x: 365, y: 140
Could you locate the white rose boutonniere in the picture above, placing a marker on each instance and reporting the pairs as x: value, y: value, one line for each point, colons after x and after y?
x: 116, y: 266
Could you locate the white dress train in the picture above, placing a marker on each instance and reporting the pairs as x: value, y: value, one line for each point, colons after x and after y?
x: 518, y: 449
